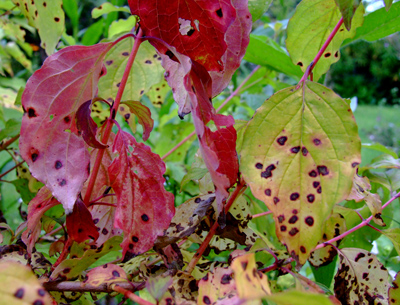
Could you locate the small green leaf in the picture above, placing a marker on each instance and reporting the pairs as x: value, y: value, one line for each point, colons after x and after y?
x: 13, y: 50
x: 347, y: 8
x: 394, y: 291
x: 307, y: 32
x: 12, y: 128
x: 122, y: 25
x: 93, y: 33
x: 388, y: 4
x: 258, y: 7
x: 107, y: 8
x: 295, y: 297
x: 379, y: 147
x: 299, y: 155
x: 394, y: 236
x: 194, y: 173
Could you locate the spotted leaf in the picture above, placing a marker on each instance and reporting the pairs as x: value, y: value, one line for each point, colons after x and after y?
x: 105, y: 274
x: 158, y: 93
x: 20, y: 286
x: 361, y: 278
x: 143, y: 114
x: 299, y: 156
x: 49, y: 143
x: 388, y: 4
x: 184, y: 288
x: 306, y: 34
x: 47, y: 17
x: 394, y: 291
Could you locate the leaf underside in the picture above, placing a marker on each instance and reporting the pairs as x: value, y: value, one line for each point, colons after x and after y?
x: 299, y: 156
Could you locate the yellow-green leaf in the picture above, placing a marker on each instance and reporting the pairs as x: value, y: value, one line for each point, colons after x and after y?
x: 158, y: 92
x: 394, y: 291
x: 347, y: 8
x: 296, y: 297
x: 309, y: 28
x: 217, y: 285
x: 105, y: 274
x: 394, y: 236
x: 299, y: 156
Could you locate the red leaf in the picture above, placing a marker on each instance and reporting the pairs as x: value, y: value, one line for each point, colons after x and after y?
x: 80, y: 225
x: 144, y: 208
x: 86, y: 126
x: 56, y: 155
x: 144, y: 116
x: 42, y: 202
x: 196, y: 28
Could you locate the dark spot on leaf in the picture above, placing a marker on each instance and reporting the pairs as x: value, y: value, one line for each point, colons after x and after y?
x: 80, y: 230
x: 41, y: 292
x: 300, y: 64
x: 303, y: 249
x: 304, y: 151
x: 295, y: 211
x: 337, y: 54
x: 219, y: 13
x: 31, y: 113
x: 109, y: 62
x: 116, y: 273
x: 67, y: 119
x: 293, y: 219
x: 283, y: 228
x: 310, y: 198
x: 313, y: 174
x: 319, y: 190
x: 127, y: 116
x: 259, y: 166
x: 66, y: 270
x: 119, y: 84
x: 44, y: 4
x: 294, y: 196
x: 19, y: 294
x: 268, y: 171
x: 226, y: 278
x: 293, y: 231
x: 295, y: 149
x: 63, y: 182
x: 244, y: 265
x: 58, y: 165
x: 317, y: 141
x: 56, y: 19
x: 281, y: 218
x: 130, y: 246
x: 310, y: 221
x: 267, y: 192
x: 282, y: 140
x: 364, y: 275
x: 206, y: 300
x: 38, y: 302
x: 169, y: 54
x: 327, y: 54
x: 315, y: 184
x: 34, y: 157
x: 141, y: 92
x: 148, y: 62
x: 145, y: 217
x: 354, y: 164
x: 197, y: 200
x: 104, y: 231
x: 125, y: 54
x: 322, y: 170
x: 190, y: 32
x: 276, y: 200
x: 135, y: 239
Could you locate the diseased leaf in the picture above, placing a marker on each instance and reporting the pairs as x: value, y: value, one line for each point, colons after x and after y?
x: 394, y: 291
x: 347, y: 9
x: 184, y: 288
x: 42, y: 202
x: 306, y: 33
x: 158, y: 93
x: 394, y: 236
x: 299, y: 156
x: 143, y: 114
x: 106, y: 274
x: 20, y: 286
x: 361, y: 191
x: 56, y: 155
x: 195, y: 28
x: 361, y: 278
x: 144, y: 208
x: 47, y: 17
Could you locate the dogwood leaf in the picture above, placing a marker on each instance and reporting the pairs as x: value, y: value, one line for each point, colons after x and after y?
x: 55, y: 153
x: 143, y: 114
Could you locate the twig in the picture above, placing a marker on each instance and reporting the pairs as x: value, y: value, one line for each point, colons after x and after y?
x: 11, y: 169
x: 261, y: 214
x: 4, y: 145
x: 130, y: 295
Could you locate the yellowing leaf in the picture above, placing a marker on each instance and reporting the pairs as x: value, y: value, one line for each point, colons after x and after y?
x: 394, y: 236
x: 299, y: 156
x: 361, y: 278
x: 105, y: 274
x: 295, y: 297
x: 394, y: 291
x: 20, y: 286
x: 309, y: 28
x: 158, y: 92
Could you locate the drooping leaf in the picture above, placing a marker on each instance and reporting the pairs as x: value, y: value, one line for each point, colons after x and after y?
x: 361, y: 191
x: 20, y: 286
x: 394, y: 291
x: 106, y: 274
x: 143, y: 114
x: 394, y: 236
x: 378, y: 24
x: 347, y: 9
x: 86, y: 126
x: 388, y: 4
x: 195, y: 28
x: 47, y: 17
x: 258, y: 7
x: 56, y: 155
x: 80, y: 225
x: 299, y: 156
x: 307, y: 33
x: 42, y: 202
x: 361, y: 278
x: 146, y: 71
x: 144, y: 208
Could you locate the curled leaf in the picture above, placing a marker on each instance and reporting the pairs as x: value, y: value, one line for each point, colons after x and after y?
x: 143, y: 114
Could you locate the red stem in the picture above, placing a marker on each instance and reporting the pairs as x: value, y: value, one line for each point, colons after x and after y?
x: 11, y: 169
x: 4, y: 145
x: 261, y: 214
x: 319, y: 54
x: 114, y: 109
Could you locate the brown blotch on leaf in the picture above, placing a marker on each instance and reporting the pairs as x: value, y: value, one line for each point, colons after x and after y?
x: 322, y: 170
x: 300, y: 64
x: 58, y: 164
x: 313, y: 174
x: 327, y: 55
x: 34, y: 157
x: 282, y: 140
x: 267, y: 192
x: 226, y: 278
x: 67, y: 119
x: 125, y: 54
x: 31, y: 113
x: 293, y: 231
x: 283, y: 228
x: 295, y: 149
x: 116, y: 273
x: 315, y: 184
x: 309, y: 221
x: 109, y: 62
x: 337, y: 54
x: 219, y: 13
x: 66, y: 270
x: 148, y: 62
x: 354, y: 164
x: 294, y: 196
x: 135, y: 239
x: 259, y: 166
x: 104, y: 231
x: 293, y: 219
x: 19, y: 294
x: 276, y: 200
x: 144, y: 217
x: 63, y: 182
x: 304, y: 151
x: 317, y: 141
x: 281, y: 218
x: 206, y: 300
x: 303, y: 249
x: 310, y: 198
x: 268, y: 171
x: 319, y: 190
x: 295, y: 211
x: 56, y: 19
x: 44, y: 4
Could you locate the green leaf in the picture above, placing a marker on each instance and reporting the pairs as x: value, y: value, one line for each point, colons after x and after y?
x: 378, y: 24
x: 93, y: 33
x: 394, y: 291
x: 122, y: 25
x: 307, y: 32
x: 379, y: 147
x: 194, y: 173
x: 299, y: 156
x: 388, y: 4
x: 107, y: 8
x: 71, y: 9
x: 394, y: 236
x: 12, y: 49
x: 146, y: 71
x: 295, y: 297
x: 22, y: 187
x: 12, y: 129
x: 384, y: 161
x: 258, y: 7
x: 347, y: 8
x: 47, y: 17
x: 264, y: 51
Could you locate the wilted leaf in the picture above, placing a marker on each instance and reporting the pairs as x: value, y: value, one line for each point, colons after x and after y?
x: 47, y: 17
x: 105, y: 274
x: 307, y: 33
x: 394, y: 291
x: 299, y: 156
x: 20, y: 286
x: 361, y: 278
x: 347, y: 8
x: 56, y: 155
x: 143, y: 114
x: 394, y: 236
x: 144, y: 208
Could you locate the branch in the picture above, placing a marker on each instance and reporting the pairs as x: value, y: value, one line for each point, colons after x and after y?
x: 82, y: 287
x: 363, y: 223
x: 240, y: 188
x: 4, y: 145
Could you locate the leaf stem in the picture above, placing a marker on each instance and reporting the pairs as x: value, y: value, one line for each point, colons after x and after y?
x: 131, y: 295
x: 319, y: 54
x: 363, y: 223
x: 240, y: 188
x: 4, y: 145
x: 261, y: 214
x: 114, y: 109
